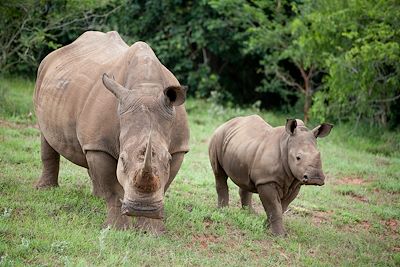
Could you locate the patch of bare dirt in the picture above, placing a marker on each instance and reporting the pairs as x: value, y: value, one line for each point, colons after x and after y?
x: 231, y: 241
x: 357, y: 197
x: 207, y: 221
x: 317, y: 217
x: 204, y: 240
x: 392, y: 225
x: 320, y: 217
x: 365, y: 225
x: 355, y: 227
x: 352, y: 180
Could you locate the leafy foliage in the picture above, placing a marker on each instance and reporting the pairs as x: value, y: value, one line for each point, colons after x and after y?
x: 32, y: 29
x: 336, y: 58
x: 197, y: 43
x: 363, y: 80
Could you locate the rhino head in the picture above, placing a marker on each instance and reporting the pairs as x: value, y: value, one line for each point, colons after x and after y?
x: 146, y: 122
x: 304, y: 159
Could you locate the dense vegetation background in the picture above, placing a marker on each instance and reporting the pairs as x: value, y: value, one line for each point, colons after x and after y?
x: 334, y: 60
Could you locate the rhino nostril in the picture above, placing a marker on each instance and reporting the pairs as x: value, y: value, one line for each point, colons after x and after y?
x: 124, y: 211
x: 305, y: 178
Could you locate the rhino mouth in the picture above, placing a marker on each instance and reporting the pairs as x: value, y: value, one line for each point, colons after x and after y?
x: 153, y: 210
x: 313, y: 180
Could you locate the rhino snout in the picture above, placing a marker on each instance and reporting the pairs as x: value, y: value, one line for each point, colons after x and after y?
x: 315, y: 179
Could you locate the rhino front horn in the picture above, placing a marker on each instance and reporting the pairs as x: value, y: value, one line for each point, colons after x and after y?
x: 147, y: 182
x: 147, y: 158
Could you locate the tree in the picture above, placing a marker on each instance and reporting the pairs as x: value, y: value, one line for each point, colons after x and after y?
x: 282, y: 38
x: 338, y: 57
x: 31, y: 29
x: 350, y: 49
x: 197, y: 42
x: 363, y: 71
x: 264, y: 34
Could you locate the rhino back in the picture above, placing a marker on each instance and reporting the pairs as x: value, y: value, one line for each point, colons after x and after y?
x: 66, y: 79
x: 236, y: 144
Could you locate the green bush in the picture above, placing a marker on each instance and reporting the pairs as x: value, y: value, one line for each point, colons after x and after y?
x: 337, y: 59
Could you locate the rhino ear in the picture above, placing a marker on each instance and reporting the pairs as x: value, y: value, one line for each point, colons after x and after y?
x: 322, y: 130
x: 291, y: 125
x: 176, y: 95
x: 114, y: 87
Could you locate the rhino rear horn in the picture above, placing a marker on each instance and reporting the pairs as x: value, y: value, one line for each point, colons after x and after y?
x: 176, y: 95
x: 118, y: 90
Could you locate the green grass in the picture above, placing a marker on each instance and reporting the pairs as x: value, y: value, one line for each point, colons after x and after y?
x: 351, y: 221
x: 16, y: 99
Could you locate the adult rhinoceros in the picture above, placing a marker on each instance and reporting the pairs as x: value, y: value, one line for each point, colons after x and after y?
x: 130, y: 131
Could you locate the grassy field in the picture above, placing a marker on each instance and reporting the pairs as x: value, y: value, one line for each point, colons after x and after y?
x: 351, y: 221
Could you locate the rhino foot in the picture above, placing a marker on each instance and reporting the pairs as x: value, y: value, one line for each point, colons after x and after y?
x: 277, y: 230
x: 45, y: 184
x: 149, y: 225
x: 279, y: 233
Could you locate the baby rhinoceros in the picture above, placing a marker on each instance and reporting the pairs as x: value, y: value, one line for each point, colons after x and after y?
x: 271, y: 161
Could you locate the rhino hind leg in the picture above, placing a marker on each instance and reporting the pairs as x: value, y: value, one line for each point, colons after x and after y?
x: 246, y: 199
x: 50, y: 166
x: 102, y: 171
x: 221, y: 184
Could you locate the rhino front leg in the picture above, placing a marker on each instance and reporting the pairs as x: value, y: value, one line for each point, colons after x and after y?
x: 102, y: 169
x: 174, y: 167
x: 246, y: 199
x: 272, y: 205
x: 51, y: 164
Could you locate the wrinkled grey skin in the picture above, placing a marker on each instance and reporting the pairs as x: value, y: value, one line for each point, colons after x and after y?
x: 129, y: 128
x: 273, y: 162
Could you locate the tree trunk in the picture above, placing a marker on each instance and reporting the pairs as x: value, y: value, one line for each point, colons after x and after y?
x: 307, y: 92
x: 307, y: 104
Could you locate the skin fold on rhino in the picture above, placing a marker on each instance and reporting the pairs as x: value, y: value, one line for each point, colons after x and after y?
x: 129, y: 128
x: 271, y: 161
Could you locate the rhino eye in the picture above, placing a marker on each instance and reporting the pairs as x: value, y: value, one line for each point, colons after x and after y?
x: 298, y: 158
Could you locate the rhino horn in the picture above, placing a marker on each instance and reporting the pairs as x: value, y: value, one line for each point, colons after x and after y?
x: 147, y: 158
x: 147, y: 182
x: 114, y: 87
